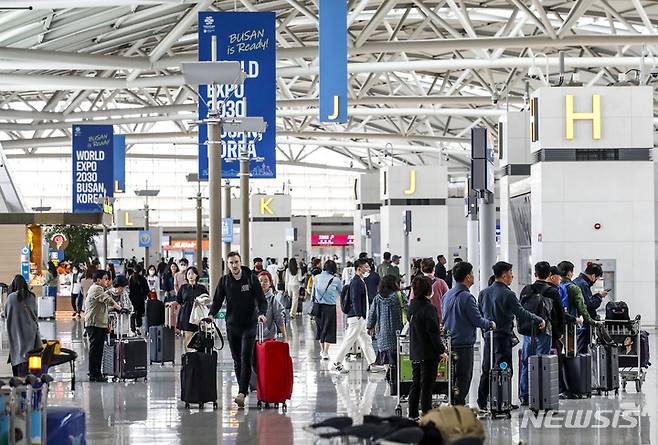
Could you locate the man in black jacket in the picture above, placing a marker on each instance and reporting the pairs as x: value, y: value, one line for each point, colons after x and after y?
x: 550, y: 310
x: 440, y: 268
x: 425, y: 346
x: 245, y: 307
x: 499, y: 304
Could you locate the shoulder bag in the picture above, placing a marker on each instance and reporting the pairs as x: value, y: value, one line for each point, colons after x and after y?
x: 315, y: 310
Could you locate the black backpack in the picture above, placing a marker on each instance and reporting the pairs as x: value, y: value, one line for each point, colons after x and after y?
x: 345, y: 300
x: 617, y: 310
x: 535, y: 302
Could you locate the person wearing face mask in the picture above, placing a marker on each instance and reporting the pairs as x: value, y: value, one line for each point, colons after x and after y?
x: 356, y: 320
x: 153, y: 281
x: 187, y: 294
x: 98, y: 303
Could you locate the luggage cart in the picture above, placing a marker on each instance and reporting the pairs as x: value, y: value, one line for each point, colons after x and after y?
x: 626, y: 335
x: 404, y: 375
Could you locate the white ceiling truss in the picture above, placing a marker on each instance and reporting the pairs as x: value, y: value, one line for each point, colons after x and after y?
x: 421, y: 72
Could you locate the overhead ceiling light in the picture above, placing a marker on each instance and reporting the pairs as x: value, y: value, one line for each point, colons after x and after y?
x: 206, y: 73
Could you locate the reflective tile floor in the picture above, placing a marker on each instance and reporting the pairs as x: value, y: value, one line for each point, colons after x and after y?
x: 145, y: 413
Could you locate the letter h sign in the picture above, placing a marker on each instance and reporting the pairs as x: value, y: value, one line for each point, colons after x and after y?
x: 594, y: 116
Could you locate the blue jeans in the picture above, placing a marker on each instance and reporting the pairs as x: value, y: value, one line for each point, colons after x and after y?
x: 544, y: 342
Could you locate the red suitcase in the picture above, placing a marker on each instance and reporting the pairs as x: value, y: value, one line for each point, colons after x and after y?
x: 273, y: 371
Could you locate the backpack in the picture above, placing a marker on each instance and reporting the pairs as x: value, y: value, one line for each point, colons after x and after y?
x: 345, y: 300
x: 536, y: 303
x: 565, y: 299
x: 617, y: 310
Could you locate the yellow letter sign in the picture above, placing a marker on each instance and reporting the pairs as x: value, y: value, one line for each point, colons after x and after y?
x: 265, y: 206
x: 594, y: 116
x: 412, y: 183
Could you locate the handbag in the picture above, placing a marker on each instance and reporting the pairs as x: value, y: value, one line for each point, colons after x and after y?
x: 315, y: 310
x: 199, y: 309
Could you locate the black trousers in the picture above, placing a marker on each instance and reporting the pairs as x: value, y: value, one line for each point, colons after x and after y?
x: 136, y: 320
x: 424, y: 376
x: 502, y: 353
x: 241, y: 341
x: 463, y: 373
x: 74, y: 302
x: 392, y: 373
x: 584, y: 339
x: 96, y: 341
x: 20, y: 370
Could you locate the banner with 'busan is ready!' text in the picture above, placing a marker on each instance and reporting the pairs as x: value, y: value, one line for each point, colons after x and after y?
x: 93, y: 169
x: 249, y: 38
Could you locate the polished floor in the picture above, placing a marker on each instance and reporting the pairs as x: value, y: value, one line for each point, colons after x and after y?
x: 144, y: 413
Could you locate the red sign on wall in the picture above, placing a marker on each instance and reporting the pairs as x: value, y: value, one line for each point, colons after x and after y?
x: 338, y: 239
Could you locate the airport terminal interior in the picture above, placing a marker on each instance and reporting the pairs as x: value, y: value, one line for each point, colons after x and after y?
x: 328, y: 221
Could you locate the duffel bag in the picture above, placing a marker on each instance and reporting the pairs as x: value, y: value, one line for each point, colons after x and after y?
x: 455, y: 422
x: 617, y: 310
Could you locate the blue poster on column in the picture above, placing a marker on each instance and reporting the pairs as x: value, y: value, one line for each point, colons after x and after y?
x: 250, y: 38
x: 119, y: 163
x: 93, y: 176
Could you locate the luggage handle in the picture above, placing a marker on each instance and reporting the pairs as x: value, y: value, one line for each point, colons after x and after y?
x: 261, y: 331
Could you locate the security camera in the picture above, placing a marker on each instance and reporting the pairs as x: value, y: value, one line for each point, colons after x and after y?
x: 494, y: 98
x: 534, y: 72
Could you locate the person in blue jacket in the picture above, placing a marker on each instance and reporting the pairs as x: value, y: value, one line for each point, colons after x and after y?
x: 461, y: 317
x: 585, y: 281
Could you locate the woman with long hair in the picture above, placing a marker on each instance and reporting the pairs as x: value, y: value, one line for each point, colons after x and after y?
x: 22, y: 325
x: 294, y: 281
x: 111, y: 270
x: 139, y: 291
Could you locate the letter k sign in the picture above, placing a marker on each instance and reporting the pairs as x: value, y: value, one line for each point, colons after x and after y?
x: 265, y: 205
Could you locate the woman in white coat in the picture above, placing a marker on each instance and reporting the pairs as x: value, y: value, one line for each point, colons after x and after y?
x: 294, y: 280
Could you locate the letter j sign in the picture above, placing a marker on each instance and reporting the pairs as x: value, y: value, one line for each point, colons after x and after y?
x: 333, y: 60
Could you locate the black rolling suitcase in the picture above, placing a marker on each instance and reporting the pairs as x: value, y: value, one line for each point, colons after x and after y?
x: 605, y: 369
x: 577, y: 369
x: 198, y: 377
x: 198, y: 374
x: 155, y: 313
x: 130, y: 357
x: 500, y: 386
x: 162, y: 345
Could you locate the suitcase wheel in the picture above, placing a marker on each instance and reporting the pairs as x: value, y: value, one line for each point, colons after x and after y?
x: 284, y: 407
x: 398, y: 411
x: 187, y: 405
x: 509, y: 415
x: 215, y: 405
x: 616, y: 392
x: 259, y: 405
x: 267, y: 406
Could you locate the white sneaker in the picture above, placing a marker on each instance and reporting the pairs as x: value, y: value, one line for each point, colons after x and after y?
x: 325, y: 356
x: 376, y: 368
x: 339, y: 368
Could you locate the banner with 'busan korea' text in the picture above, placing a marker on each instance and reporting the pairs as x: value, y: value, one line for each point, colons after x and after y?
x: 249, y: 38
x: 93, y: 169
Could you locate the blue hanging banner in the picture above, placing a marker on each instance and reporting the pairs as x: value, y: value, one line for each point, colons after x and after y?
x: 145, y: 238
x: 92, y: 157
x: 227, y: 230
x: 119, y: 163
x: 250, y: 38
x: 333, y: 60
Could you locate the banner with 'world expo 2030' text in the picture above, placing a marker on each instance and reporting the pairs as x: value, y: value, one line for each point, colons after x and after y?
x: 93, y: 169
x: 249, y: 38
